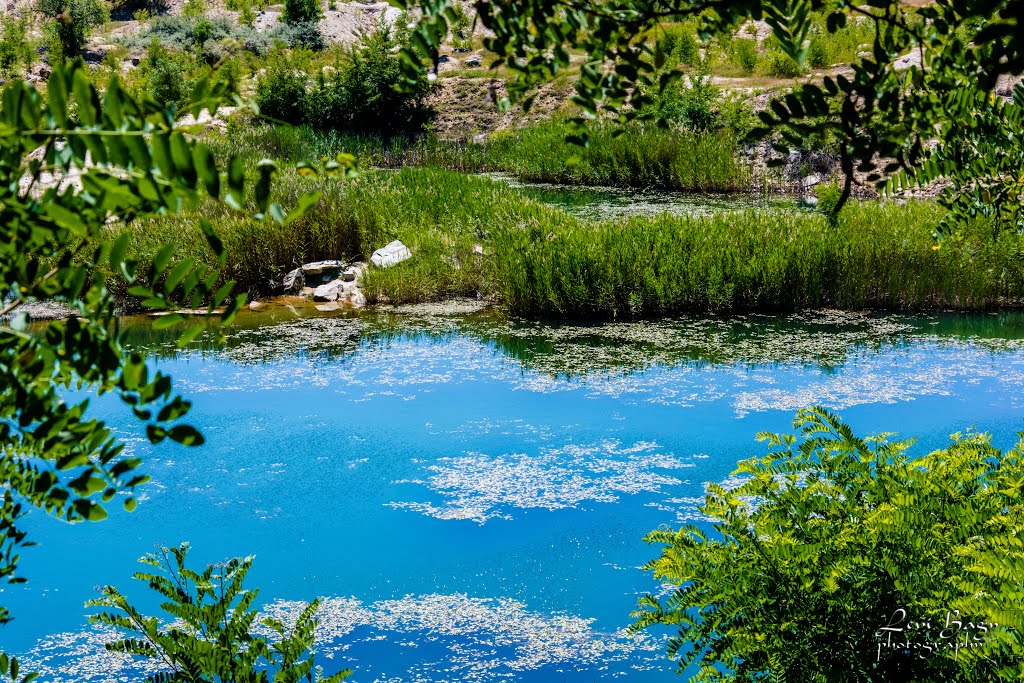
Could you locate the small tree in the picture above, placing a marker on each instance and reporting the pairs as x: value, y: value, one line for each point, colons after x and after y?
x: 70, y: 22
x: 302, y: 11
x: 212, y: 633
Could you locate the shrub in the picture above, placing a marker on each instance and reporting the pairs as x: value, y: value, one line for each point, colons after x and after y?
x: 301, y: 11
x: 15, y: 50
x: 168, y: 75
x: 246, y: 16
x: 745, y: 53
x: 691, y: 105
x: 781, y: 65
x: 365, y: 91
x: 459, y: 30
x: 828, y: 540
x: 818, y: 53
x: 179, y: 31
x: 302, y: 34
x: 281, y: 94
x: 194, y: 9
x: 736, y: 113
x: 69, y: 32
x: 679, y: 44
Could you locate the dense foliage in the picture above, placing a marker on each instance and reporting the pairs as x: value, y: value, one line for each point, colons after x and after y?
x: 302, y: 11
x: 52, y: 455
x: 882, y: 118
x: 365, y: 91
x: 118, y: 159
x: 832, y: 547
x: 69, y: 24
x: 211, y: 633
x: 539, y: 260
x: 982, y: 156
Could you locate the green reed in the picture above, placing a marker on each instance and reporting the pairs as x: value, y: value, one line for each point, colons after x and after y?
x: 878, y: 256
x: 540, y: 261
x: 637, y: 156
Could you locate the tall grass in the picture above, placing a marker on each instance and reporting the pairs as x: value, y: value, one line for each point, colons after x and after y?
x: 877, y: 256
x: 540, y: 261
x: 642, y: 156
x: 440, y: 215
x: 645, y: 156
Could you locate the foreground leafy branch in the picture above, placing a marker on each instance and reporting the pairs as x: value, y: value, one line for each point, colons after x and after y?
x: 213, y: 633
x: 73, y: 166
x: 884, y: 118
x: 835, y: 547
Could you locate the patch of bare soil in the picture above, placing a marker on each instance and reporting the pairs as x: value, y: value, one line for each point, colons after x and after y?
x: 467, y: 107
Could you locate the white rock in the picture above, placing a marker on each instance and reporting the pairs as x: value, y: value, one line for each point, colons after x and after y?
x: 396, y: 252
x: 357, y: 298
x: 328, y: 292
x: 318, y: 267
x: 812, y: 180
x: 294, y: 280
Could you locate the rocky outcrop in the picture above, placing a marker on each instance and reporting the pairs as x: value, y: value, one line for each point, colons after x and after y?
x: 312, y: 275
x: 328, y: 282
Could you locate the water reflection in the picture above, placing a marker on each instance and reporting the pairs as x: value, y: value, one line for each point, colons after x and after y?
x: 610, y: 203
x: 827, y: 339
x: 469, y: 491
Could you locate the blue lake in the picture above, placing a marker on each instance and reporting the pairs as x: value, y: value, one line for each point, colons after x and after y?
x: 469, y: 493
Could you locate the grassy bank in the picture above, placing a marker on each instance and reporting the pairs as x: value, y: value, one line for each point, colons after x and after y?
x: 642, y: 156
x: 878, y: 256
x: 540, y: 261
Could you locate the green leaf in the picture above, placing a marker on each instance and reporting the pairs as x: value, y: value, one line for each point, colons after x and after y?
x: 57, y: 97
x: 186, y: 435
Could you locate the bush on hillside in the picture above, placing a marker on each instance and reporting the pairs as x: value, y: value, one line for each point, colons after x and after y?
x: 679, y: 44
x: 691, y: 105
x: 301, y: 11
x: 365, y: 92
x: 181, y: 31
x: 745, y: 53
x: 70, y: 22
x: 15, y: 49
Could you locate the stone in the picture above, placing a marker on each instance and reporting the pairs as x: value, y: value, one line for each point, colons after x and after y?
x: 443, y: 59
x: 473, y: 61
x: 389, y: 255
x: 318, y: 267
x: 812, y: 180
x: 321, y: 272
x: 460, y: 50
x: 255, y: 304
x: 294, y: 281
x: 328, y: 292
x: 357, y: 298
x: 478, y: 249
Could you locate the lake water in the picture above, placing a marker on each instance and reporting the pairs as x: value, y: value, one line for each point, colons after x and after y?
x: 469, y: 494
x: 610, y: 203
